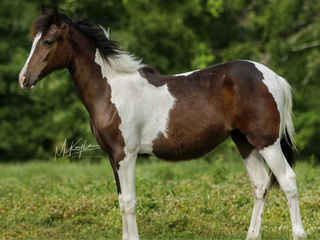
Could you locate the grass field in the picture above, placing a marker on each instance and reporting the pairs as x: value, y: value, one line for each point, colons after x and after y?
x: 188, y: 200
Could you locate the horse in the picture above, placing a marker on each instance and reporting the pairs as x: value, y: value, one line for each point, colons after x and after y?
x: 136, y: 111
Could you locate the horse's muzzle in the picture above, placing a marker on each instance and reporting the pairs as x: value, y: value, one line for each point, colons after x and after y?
x: 24, y: 83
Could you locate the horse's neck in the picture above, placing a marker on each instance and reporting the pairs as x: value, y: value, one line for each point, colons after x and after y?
x: 92, y: 88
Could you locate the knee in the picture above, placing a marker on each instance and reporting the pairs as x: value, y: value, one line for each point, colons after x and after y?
x: 260, y: 191
x: 127, y: 205
x: 260, y: 187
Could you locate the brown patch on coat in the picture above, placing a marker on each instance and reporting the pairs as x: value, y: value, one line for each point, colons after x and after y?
x: 96, y: 96
x: 73, y: 49
x: 213, y: 103
x: 104, y: 117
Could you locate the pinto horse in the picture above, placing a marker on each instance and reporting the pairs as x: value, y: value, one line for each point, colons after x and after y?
x: 135, y: 111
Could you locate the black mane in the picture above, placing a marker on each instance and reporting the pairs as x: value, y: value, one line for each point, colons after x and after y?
x: 107, y: 47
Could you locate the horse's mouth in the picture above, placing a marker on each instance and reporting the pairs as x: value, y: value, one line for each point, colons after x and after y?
x: 34, y: 84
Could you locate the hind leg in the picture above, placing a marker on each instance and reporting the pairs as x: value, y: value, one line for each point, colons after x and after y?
x: 287, y: 179
x: 259, y: 177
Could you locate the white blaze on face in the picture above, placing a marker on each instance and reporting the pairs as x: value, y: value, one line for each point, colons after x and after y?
x: 33, y: 48
x: 143, y: 108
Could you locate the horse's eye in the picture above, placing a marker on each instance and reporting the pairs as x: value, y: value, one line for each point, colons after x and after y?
x: 48, y: 43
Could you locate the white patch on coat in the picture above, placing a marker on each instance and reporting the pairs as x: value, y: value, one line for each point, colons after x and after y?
x: 186, y: 74
x: 281, y: 92
x: 143, y: 108
x: 33, y: 48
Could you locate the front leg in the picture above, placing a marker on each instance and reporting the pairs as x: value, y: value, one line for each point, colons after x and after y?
x: 260, y: 182
x: 127, y: 197
x: 125, y: 179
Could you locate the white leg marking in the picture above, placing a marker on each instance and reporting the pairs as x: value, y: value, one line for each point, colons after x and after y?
x: 127, y: 198
x: 287, y: 180
x: 260, y: 181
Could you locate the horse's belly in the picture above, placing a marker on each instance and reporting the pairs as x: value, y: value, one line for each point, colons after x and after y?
x: 187, y: 146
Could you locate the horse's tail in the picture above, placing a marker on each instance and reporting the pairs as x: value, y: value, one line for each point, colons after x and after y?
x: 287, y: 132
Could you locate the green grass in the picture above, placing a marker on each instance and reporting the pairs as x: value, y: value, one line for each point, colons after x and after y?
x: 186, y: 200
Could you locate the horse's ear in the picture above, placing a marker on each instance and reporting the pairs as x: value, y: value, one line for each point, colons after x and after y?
x: 44, y: 11
x: 57, y: 17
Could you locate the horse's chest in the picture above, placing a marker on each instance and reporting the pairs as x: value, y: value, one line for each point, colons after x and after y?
x: 144, y: 114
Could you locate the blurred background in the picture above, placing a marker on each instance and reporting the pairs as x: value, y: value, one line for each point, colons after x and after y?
x: 171, y: 37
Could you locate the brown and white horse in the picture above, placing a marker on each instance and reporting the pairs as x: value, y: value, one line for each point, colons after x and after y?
x: 135, y: 111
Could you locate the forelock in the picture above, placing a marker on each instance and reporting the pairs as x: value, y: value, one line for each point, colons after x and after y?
x: 44, y: 22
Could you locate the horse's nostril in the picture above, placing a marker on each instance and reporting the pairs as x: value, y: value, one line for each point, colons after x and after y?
x: 24, y: 79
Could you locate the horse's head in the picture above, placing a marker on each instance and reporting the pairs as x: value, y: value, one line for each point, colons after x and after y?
x: 50, y: 50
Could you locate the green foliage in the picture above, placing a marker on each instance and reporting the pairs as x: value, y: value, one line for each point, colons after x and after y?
x: 170, y: 36
x: 50, y: 200
x: 215, y: 7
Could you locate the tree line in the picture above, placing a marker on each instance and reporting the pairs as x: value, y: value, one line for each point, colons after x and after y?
x: 169, y: 36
